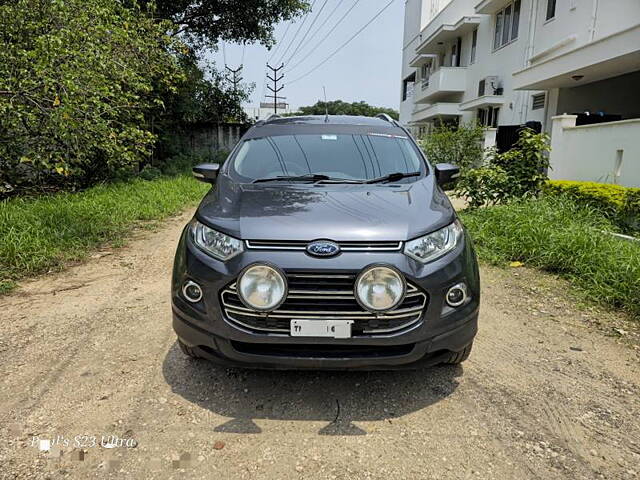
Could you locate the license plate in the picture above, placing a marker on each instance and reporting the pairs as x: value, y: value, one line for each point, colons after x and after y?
x: 321, y: 328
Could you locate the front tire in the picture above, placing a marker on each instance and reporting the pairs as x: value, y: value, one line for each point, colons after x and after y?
x: 188, y: 351
x: 459, y: 357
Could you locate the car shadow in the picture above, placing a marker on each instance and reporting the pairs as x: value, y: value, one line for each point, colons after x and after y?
x: 336, y: 397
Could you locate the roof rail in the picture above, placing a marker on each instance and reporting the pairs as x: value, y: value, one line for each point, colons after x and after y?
x: 385, y: 117
x: 273, y: 116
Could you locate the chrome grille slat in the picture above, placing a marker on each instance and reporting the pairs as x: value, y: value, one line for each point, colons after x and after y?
x: 377, y: 246
x: 331, y: 304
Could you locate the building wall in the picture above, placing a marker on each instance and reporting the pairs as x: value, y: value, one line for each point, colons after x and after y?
x: 586, y: 20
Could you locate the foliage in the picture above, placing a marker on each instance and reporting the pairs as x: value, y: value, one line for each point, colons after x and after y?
x: 622, y: 204
x: 461, y: 145
x: 45, y: 232
x: 206, y: 22
x: 76, y: 78
x: 517, y: 173
x: 338, y: 107
x: 487, y: 185
x: 564, y: 237
x: 526, y: 163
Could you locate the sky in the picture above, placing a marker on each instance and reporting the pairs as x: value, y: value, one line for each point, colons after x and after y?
x: 367, y: 69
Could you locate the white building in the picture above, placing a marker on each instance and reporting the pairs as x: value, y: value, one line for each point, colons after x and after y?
x: 508, y: 62
x: 264, y: 110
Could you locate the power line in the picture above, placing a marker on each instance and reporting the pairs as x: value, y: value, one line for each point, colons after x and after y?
x: 319, y: 29
x: 343, y: 45
x: 279, y: 44
x: 304, y: 20
x: 315, y: 19
x: 326, y: 36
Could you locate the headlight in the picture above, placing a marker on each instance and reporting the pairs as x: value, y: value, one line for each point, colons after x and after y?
x: 379, y: 288
x: 430, y: 247
x: 218, y: 245
x: 262, y: 287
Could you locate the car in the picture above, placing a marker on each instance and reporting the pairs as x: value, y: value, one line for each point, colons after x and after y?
x: 326, y: 242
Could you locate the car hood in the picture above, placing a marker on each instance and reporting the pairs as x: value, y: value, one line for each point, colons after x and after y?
x: 344, y: 212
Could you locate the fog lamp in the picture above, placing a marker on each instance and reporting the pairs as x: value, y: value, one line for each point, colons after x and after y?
x: 380, y: 288
x: 262, y: 287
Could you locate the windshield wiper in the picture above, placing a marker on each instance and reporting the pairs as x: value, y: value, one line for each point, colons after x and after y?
x: 392, y: 177
x: 315, y: 177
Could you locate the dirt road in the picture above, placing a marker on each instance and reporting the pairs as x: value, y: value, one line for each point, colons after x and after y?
x: 550, y: 391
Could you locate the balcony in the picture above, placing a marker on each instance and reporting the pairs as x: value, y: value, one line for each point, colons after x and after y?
x: 483, y: 102
x: 489, y: 7
x: 437, y: 110
x: 443, y: 82
x: 436, y: 36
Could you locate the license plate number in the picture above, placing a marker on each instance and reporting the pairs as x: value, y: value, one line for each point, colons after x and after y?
x: 321, y: 328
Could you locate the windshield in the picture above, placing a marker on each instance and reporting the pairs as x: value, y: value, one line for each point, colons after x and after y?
x: 346, y: 156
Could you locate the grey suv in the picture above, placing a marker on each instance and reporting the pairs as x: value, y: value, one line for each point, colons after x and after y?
x: 326, y: 242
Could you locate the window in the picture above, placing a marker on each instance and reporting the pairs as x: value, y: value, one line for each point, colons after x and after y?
x: 538, y: 101
x: 350, y: 156
x: 551, y: 9
x: 425, y: 71
x: 516, y: 20
x: 474, y: 46
x: 407, y: 86
x: 488, y: 117
x: 507, y: 25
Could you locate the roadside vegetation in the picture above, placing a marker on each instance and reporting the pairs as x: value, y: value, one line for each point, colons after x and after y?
x: 95, y: 90
x: 562, y: 236
x: 517, y: 215
x: 46, y: 232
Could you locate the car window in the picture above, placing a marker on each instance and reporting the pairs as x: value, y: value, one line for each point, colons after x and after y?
x: 349, y: 156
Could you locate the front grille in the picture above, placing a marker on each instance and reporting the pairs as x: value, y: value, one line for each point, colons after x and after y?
x: 381, y: 246
x: 324, y: 297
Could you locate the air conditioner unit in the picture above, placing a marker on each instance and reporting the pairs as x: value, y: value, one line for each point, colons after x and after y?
x: 489, y: 86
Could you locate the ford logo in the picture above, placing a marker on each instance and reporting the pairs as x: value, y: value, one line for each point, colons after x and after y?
x: 323, y: 248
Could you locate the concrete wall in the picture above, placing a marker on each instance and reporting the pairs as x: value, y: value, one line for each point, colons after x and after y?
x: 207, y: 139
x: 606, y: 153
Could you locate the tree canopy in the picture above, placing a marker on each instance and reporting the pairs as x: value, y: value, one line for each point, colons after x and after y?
x: 205, y: 22
x: 338, y: 107
x: 89, y: 87
x: 76, y: 78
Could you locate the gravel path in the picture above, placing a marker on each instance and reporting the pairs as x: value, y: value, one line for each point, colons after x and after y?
x: 88, y: 356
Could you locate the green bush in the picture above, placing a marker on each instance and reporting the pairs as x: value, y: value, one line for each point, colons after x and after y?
x: 45, y: 232
x: 622, y: 204
x: 516, y: 173
x: 559, y: 235
x: 461, y: 145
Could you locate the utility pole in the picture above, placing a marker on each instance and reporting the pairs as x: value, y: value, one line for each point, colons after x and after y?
x: 275, y: 89
x: 236, y: 79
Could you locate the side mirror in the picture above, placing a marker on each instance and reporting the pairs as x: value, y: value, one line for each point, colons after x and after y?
x: 206, y: 172
x: 447, y: 174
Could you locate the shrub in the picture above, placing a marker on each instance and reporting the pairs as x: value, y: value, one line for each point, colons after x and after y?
x: 561, y: 236
x: 517, y: 173
x: 622, y: 204
x: 461, y: 146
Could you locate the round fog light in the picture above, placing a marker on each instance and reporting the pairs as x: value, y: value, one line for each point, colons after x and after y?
x: 457, y: 295
x: 192, y: 291
x: 380, y: 288
x: 262, y: 287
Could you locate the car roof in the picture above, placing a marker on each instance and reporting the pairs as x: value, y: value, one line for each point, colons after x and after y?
x: 276, y: 125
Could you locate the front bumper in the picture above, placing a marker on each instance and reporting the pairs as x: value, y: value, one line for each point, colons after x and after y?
x: 204, y: 326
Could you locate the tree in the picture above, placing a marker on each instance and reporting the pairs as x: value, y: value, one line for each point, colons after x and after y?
x: 338, y: 107
x: 206, y: 22
x: 76, y: 80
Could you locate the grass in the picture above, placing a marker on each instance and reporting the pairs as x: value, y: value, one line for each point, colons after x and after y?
x: 558, y: 235
x: 44, y: 233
